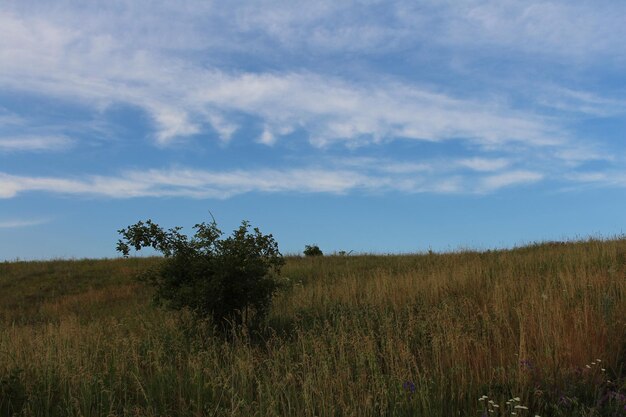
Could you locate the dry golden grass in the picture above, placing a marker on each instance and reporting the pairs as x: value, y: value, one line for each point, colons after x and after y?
x: 414, y: 335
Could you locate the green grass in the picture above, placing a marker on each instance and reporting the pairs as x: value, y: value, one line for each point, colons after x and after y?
x: 411, y: 335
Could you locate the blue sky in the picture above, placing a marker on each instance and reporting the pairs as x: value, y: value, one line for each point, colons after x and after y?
x: 373, y: 126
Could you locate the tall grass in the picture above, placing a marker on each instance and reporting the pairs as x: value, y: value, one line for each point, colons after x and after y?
x: 413, y: 335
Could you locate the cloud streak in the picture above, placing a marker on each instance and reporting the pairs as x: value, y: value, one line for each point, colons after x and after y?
x: 224, y: 69
x: 558, y: 29
x: 332, y: 179
x: 34, y: 143
x: 19, y: 223
x: 183, y: 97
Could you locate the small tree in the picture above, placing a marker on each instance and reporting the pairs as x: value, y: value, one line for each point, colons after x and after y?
x: 312, y: 250
x: 230, y: 280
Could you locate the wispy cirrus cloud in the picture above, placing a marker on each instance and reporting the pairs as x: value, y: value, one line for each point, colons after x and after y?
x: 34, y: 143
x: 427, y: 166
x: 186, y: 76
x: 183, y: 97
x: 8, y: 118
x: 557, y: 29
x: 19, y: 223
x: 338, y: 178
x: 190, y: 183
x: 609, y: 178
x: 580, y: 102
x: 484, y: 164
x: 506, y: 179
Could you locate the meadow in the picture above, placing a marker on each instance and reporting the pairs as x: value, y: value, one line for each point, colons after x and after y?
x: 536, y: 330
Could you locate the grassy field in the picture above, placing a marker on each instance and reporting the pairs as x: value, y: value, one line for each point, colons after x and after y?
x: 539, y: 330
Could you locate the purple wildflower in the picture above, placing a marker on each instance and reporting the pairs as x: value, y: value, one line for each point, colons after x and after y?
x: 409, y: 387
x: 527, y: 364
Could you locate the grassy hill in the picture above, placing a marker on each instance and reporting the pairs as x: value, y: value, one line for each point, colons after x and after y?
x: 542, y: 327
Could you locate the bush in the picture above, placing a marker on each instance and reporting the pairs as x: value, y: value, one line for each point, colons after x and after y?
x: 230, y: 280
x: 312, y: 250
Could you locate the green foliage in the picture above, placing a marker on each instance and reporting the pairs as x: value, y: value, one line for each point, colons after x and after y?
x: 230, y: 280
x: 312, y: 250
x: 12, y: 394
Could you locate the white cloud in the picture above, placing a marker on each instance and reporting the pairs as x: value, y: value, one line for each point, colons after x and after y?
x: 589, y: 177
x: 578, y: 154
x: 267, y: 137
x: 224, y: 129
x: 581, y: 102
x: 401, y: 167
x: 181, y: 63
x: 191, y: 183
x: 323, y: 26
x: 332, y: 109
x: 41, y: 57
x: 9, y: 119
x: 507, y: 179
x: 577, y: 30
x: 172, y: 123
x: 34, y: 143
x: 484, y: 164
x: 610, y: 178
x: 557, y: 30
x: 333, y: 179
x: 427, y: 166
x: 18, y: 223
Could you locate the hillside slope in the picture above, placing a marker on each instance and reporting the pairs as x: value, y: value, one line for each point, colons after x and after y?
x: 408, y: 335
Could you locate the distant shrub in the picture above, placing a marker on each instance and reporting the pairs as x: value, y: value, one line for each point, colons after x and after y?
x: 312, y: 250
x: 230, y: 280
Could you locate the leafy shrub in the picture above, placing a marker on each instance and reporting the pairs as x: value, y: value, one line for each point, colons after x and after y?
x: 230, y: 280
x: 312, y: 250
